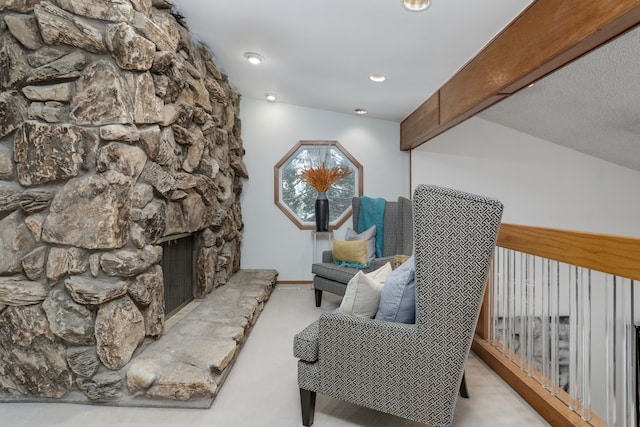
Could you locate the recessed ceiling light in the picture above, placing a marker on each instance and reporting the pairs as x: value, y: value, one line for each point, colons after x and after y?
x: 416, y: 5
x: 270, y: 97
x: 378, y: 78
x: 254, y: 58
x: 360, y: 111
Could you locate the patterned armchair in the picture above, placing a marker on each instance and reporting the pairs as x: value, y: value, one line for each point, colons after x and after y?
x: 412, y: 371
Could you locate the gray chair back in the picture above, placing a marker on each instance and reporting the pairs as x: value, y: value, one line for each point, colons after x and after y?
x: 397, y: 226
x: 455, y: 235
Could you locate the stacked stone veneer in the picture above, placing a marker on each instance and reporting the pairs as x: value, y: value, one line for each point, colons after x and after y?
x: 116, y: 129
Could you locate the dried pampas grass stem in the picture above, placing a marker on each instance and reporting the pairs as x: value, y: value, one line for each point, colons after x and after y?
x: 322, y: 178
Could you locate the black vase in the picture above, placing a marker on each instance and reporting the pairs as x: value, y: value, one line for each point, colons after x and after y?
x: 322, y: 212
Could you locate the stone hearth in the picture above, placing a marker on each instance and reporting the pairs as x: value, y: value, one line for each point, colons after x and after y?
x: 187, y: 365
x: 116, y: 130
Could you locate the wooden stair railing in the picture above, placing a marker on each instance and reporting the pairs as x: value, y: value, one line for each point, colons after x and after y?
x: 619, y: 256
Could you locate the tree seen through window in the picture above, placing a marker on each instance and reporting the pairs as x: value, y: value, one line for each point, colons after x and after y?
x: 298, y: 197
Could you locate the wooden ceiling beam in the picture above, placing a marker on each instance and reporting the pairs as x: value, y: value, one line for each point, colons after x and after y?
x: 546, y: 36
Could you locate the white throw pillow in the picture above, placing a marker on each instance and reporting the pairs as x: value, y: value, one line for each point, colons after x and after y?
x: 381, y: 273
x: 362, y: 296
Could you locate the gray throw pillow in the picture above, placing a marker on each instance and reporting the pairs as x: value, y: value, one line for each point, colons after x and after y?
x: 369, y: 235
x: 398, y: 297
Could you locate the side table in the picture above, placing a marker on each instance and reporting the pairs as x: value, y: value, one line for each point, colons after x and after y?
x: 319, y: 236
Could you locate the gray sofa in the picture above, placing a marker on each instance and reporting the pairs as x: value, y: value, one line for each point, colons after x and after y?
x: 397, y: 240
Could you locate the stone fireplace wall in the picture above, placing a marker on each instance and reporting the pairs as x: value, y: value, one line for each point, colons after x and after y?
x: 116, y: 129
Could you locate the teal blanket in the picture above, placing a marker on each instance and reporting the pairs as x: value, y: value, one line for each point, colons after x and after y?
x: 372, y: 213
x: 352, y: 264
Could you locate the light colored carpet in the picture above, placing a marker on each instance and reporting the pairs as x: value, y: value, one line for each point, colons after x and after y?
x: 261, y: 389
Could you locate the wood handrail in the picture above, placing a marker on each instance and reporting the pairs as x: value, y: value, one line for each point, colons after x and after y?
x: 615, y: 255
x: 546, y: 36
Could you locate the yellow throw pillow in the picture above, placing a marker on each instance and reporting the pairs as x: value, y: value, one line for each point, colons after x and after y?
x: 352, y: 251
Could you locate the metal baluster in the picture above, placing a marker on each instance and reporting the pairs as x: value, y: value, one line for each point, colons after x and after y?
x: 610, y: 350
x: 585, y: 374
x: 524, y: 313
x: 632, y: 384
x: 491, y: 291
x: 627, y: 412
x: 495, y: 311
x: 531, y: 314
x: 503, y: 300
x: 545, y: 313
x: 511, y: 298
x: 579, y: 338
x: 554, y: 269
x: 573, y: 339
x: 623, y: 370
x: 507, y: 302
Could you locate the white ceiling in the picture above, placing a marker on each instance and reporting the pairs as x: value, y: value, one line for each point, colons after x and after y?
x: 320, y: 53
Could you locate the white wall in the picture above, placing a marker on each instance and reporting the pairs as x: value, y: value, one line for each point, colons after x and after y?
x: 539, y: 183
x: 269, y: 131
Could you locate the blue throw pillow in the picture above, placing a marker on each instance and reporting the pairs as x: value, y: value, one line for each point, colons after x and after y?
x: 398, y: 298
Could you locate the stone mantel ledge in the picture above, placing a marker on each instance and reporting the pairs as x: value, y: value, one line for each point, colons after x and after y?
x: 186, y: 366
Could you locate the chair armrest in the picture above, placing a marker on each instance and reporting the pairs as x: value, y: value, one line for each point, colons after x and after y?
x: 327, y: 256
x: 363, y: 359
x: 379, y: 262
x: 345, y: 339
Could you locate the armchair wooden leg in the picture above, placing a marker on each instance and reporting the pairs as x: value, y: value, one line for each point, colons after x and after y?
x: 463, y: 387
x: 318, y: 297
x: 308, y: 404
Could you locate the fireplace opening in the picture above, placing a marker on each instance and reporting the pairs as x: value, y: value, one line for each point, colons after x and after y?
x: 177, y: 269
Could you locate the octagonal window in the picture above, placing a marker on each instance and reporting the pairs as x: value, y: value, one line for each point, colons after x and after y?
x: 297, y: 199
